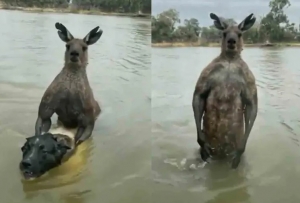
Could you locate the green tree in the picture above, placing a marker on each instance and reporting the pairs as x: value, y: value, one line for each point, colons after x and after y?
x: 163, y: 26
x: 132, y: 6
x: 193, y: 26
x: 272, y: 25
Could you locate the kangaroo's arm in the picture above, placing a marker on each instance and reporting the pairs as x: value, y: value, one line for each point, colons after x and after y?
x: 47, y: 106
x: 250, y: 100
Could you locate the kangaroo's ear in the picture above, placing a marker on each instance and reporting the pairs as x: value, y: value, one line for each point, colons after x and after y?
x: 63, y: 33
x: 93, y: 36
x: 247, y: 23
x: 218, y: 22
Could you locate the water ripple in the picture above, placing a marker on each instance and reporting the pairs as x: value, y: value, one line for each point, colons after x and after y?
x: 119, y: 64
x: 273, y: 143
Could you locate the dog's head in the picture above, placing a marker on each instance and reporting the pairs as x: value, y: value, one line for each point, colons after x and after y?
x: 42, y: 153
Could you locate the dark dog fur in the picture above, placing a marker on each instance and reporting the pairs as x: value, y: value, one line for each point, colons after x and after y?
x: 70, y: 95
x: 44, y: 152
x: 226, y: 94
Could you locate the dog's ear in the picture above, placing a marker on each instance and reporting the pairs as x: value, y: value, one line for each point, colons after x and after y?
x: 26, y: 143
x: 63, y: 143
x: 28, y: 139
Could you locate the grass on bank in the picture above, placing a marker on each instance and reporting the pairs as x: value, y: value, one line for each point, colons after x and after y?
x: 199, y: 44
x: 71, y: 10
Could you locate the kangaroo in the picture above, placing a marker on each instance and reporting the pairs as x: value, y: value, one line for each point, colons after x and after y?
x: 70, y: 95
x: 226, y: 97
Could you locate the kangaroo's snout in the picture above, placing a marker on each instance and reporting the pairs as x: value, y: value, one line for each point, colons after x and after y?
x: 74, y: 53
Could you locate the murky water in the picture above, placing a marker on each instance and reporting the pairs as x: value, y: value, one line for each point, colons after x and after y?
x: 270, y: 169
x: 115, y: 165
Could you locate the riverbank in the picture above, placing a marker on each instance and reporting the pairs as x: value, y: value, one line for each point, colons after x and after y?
x: 70, y: 10
x: 199, y: 44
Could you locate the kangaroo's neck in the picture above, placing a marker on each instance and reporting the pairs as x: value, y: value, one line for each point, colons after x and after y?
x: 230, y: 56
x: 75, y: 68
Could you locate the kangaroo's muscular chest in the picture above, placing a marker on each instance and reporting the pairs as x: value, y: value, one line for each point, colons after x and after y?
x: 223, y: 118
x: 68, y: 94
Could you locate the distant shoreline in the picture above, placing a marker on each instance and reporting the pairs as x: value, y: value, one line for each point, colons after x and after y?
x: 70, y: 10
x: 199, y: 44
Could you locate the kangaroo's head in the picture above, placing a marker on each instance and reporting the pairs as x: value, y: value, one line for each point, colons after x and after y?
x: 77, y: 49
x: 232, y: 35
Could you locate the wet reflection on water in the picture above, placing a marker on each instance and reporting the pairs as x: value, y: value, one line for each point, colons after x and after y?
x: 115, y: 164
x: 271, y: 162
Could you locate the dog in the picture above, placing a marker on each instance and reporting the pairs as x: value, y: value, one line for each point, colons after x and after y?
x: 47, y: 151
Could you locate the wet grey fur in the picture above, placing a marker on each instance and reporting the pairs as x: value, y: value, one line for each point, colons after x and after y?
x: 225, y: 96
x: 70, y: 95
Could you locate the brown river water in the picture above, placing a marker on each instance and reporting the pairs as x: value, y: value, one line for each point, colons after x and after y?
x: 115, y: 165
x: 144, y: 146
x: 270, y: 169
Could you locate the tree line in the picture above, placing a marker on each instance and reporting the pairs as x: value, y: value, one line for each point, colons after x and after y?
x: 126, y: 6
x: 273, y: 27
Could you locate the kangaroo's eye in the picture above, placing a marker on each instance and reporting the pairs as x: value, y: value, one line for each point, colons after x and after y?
x: 240, y: 34
x: 67, y: 46
x: 84, y: 48
x: 224, y: 34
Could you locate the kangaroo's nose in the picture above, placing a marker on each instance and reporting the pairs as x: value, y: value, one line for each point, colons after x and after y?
x: 231, y: 41
x: 74, y: 53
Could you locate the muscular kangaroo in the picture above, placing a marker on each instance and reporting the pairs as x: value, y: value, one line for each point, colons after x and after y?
x: 70, y: 95
x: 225, y: 97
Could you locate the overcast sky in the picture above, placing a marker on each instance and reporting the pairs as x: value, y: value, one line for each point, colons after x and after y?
x: 237, y: 9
